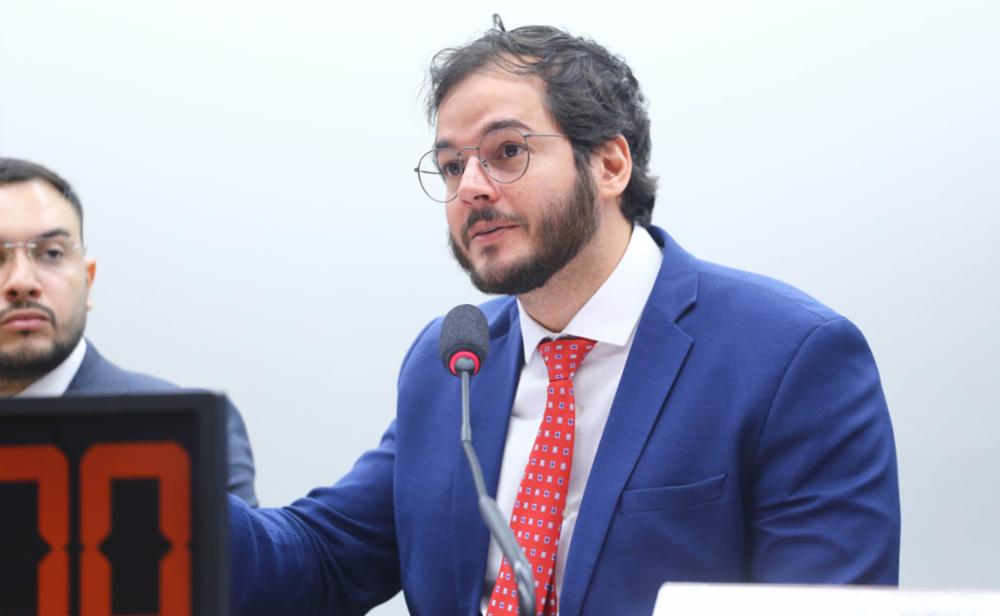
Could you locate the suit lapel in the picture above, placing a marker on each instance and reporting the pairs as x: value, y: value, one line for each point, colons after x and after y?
x: 96, y: 374
x: 491, y: 398
x: 654, y: 362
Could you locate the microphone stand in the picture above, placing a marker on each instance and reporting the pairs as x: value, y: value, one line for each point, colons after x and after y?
x: 489, y: 510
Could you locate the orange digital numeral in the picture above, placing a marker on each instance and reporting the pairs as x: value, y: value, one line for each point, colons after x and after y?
x: 47, y: 466
x: 169, y: 464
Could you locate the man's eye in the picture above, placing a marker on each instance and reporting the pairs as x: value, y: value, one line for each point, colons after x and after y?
x: 50, y: 255
x: 511, y: 150
x: 451, y: 169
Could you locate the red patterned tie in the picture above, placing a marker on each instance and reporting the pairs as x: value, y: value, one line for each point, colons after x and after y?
x: 538, y: 508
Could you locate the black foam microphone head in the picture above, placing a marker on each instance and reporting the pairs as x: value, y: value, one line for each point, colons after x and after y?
x: 464, y: 332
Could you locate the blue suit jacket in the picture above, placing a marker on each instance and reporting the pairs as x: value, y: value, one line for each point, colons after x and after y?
x: 98, y: 376
x: 749, y: 440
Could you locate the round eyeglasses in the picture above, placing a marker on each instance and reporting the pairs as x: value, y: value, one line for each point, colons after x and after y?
x: 503, y: 154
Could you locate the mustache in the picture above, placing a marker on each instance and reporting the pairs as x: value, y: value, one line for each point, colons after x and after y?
x: 28, y: 305
x: 488, y: 214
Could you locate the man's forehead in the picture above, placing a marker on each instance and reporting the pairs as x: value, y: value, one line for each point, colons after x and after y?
x: 34, y: 207
x: 492, y: 98
x: 34, y: 191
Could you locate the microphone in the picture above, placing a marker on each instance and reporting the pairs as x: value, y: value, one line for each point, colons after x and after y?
x: 464, y: 342
x: 464, y: 336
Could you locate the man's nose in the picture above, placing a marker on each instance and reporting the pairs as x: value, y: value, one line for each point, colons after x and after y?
x: 18, y: 278
x: 476, y: 186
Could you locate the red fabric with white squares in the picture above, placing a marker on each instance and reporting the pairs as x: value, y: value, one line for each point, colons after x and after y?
x: 538, y: 507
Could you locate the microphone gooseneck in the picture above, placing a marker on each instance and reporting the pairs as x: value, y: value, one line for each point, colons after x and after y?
x: 463, y: 345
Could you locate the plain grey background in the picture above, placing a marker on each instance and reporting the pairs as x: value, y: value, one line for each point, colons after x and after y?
x: 246, y: 173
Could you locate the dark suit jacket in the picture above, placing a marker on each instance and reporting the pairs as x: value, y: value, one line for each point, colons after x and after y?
x: 749, y: 440
x: 99, y: 376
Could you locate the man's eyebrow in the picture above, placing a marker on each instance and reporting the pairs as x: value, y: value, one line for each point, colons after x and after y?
x: 508, y: 123
x: 58, y: 232
x: 511, y: 123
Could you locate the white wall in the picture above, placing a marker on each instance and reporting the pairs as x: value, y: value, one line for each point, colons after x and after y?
x: 246, y: 173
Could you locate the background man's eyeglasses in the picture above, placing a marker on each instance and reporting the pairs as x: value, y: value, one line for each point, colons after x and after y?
x: 48, y: 253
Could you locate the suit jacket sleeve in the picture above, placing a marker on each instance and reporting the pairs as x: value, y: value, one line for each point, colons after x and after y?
x: 241, y: 469
x: 333, y: 552
x: 825, y: 499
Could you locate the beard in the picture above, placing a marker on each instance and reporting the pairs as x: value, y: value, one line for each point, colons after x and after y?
x: 567, y: 224
x: 30, y: 364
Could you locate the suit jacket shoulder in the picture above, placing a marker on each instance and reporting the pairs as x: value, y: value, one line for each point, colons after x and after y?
x: 98, y: 376
x: 734, y: 295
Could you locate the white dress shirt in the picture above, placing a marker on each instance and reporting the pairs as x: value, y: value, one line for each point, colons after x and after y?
x: 55, y: 383
x: 610, y: 317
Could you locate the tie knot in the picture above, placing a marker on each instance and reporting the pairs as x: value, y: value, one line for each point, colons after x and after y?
x: 562, y: 357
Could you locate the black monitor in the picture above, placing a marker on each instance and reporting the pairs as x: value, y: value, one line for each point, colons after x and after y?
x: 114, y: 505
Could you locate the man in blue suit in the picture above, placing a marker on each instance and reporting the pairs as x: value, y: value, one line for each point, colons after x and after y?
x: 725, y: 426
x: 45, y: 282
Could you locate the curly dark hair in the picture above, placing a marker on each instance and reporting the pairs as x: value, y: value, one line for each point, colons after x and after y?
x: 591, y: 93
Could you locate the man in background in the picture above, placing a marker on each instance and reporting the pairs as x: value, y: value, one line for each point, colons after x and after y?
x: 643, y: 416
x: 45, y: 281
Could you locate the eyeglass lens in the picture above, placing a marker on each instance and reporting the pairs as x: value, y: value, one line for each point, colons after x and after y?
x: 47, y: 252
x: 502, y: 153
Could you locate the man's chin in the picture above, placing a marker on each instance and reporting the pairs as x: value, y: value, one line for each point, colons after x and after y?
x: 32, y: 359
x: 515, y: 279
x: 503, y: 274
x: 27, y: 349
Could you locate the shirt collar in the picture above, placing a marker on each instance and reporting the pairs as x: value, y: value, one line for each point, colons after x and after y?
x: 56, y: 382
x: 612, y: 313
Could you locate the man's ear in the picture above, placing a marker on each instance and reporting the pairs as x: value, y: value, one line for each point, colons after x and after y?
x: 90, y: 270
x: 611, y: 165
